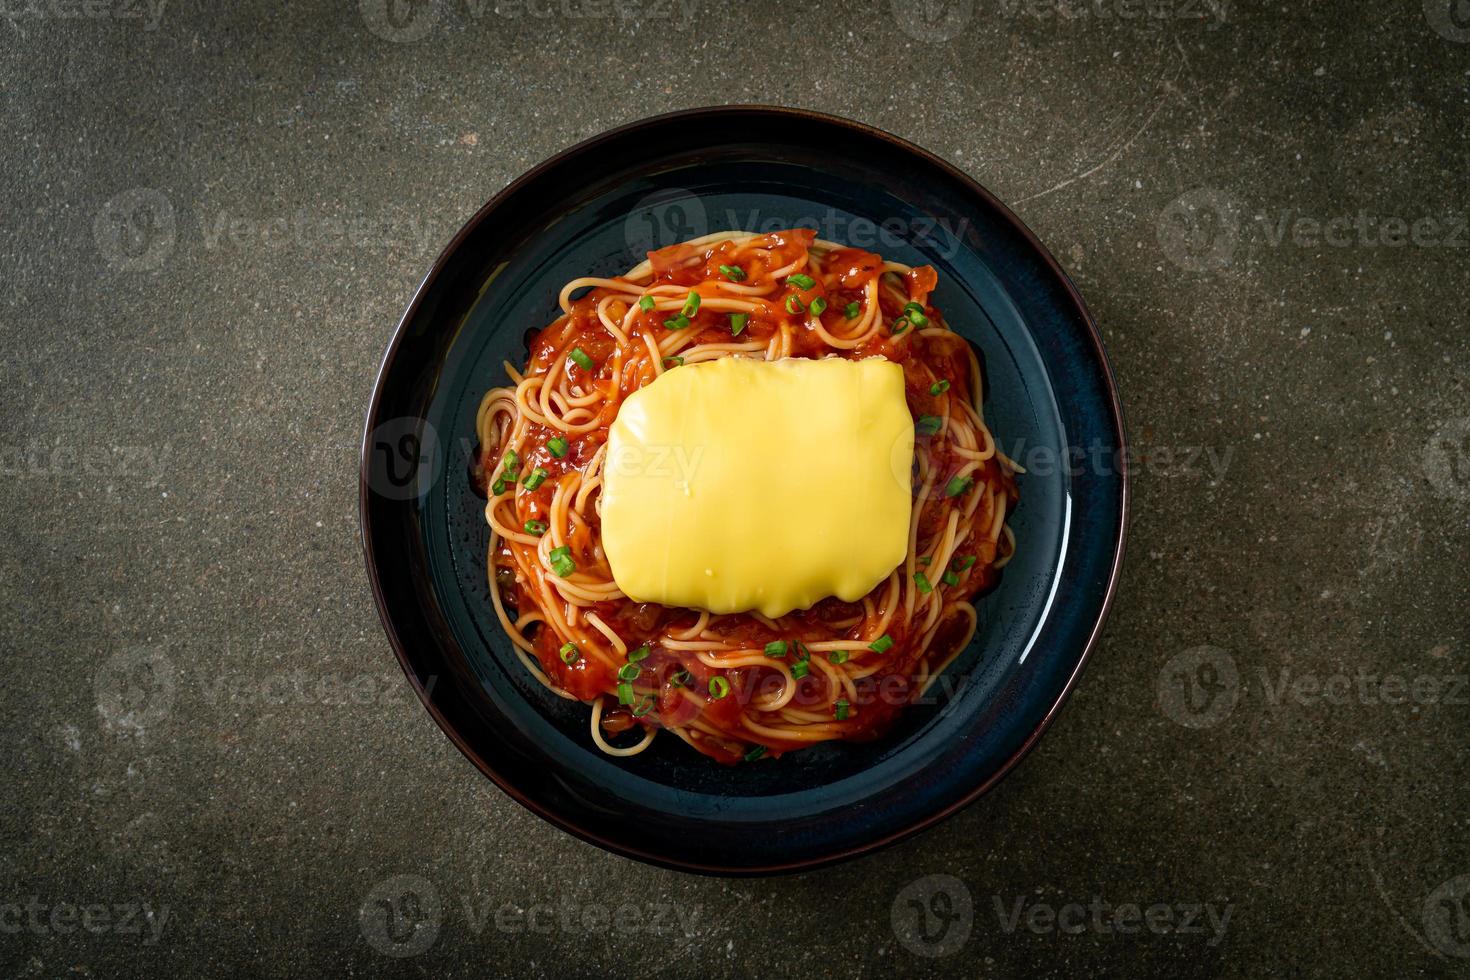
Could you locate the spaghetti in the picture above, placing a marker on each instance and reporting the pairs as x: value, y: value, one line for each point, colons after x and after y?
x: 738, y: 686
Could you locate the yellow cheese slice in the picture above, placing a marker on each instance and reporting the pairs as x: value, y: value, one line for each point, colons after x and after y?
x: 738, y: 484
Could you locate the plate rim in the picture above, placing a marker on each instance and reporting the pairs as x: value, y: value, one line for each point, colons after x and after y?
x: 559, y: 820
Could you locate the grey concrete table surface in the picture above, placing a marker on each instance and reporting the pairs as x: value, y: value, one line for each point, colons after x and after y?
x: 212, y: 220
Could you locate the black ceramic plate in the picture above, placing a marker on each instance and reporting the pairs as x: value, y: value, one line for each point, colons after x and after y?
x: 596, y: 209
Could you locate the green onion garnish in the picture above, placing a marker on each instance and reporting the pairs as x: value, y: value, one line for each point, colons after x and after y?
x: 718, y: 687
x: 691, y: 304
x: 939, y: 387
x: 679, y: 677
x: 643, y: 707
x: 625, y: 693
x: 639, y: 654
x: 800, y: 669
x: 558, y: 447
x: 960, y: 564
x: 737, y: 323
x: 842, y: 709
x: 776, y: 648
x: 899, y: 326
x: 928, y: 425
x: 733, y: 273
x: 882, y: 644
x: 629, y: 672
x: 801, y: 281
x: 646, y: 303
x: 569, y: 654
x: 673, y: 361
x: 852, y: 310
x: 922, y: 581
x: 535, y: 527
x: 925, y: 560
x: 498, y: 487
x: 512, y: 462
x: 957, y: 486
x: 580, y: 356
x: 793, y: 305
x: 837, y: 657
x: 561, y: 561
x: 950, y: 578
x: 677, y: 322
x: 755, y: 753
x: 918, y: 319
x: 535, y: 478
x: 819, y: 306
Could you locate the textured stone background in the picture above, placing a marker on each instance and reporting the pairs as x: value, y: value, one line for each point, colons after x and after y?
x: 202, y: 717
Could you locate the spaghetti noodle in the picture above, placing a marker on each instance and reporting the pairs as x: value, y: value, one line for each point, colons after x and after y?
x: 736, y: 686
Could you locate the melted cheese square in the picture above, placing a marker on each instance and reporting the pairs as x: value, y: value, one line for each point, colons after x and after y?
x: 736, y: 484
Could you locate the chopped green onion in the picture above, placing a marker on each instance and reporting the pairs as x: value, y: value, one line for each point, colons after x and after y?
x: 676, y: 323
x: 629, y: 672
x: 837, y: 657
x: 561, y: 561
x: 535, y: 527
x: 498, y: 487
x: 625, y: 693
x: 939, y: 387
x: 679, y: 677
x: 793, y: 305
x: 580, y: 356
x: 646, y: 303
x: 852, y: 310
x: 899, y: 326
x: 776, y: 648
x: 928, y: 425
x: 755, y: 753
x: 950, y: 578
x: 819, y: 306
x: 922, y: 581
x: 558, y: 447
x: 925, y: 559
x: 643, y: 707
x: 512, y: 462
x: 639, y: 654
x: 801, y: 281
x: 882, y: 644
x: 733, y: 273
x: 960, y: 564
x: 535, y: 478
x: 957, y: 486
x: 918, y: 319
x: 800, y: 669
x: 691, y: 304
x: 673, y: 361
x: 569, y: 654
x: 718, y: 688
x: 842, y: 707
x: 737, y: 323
